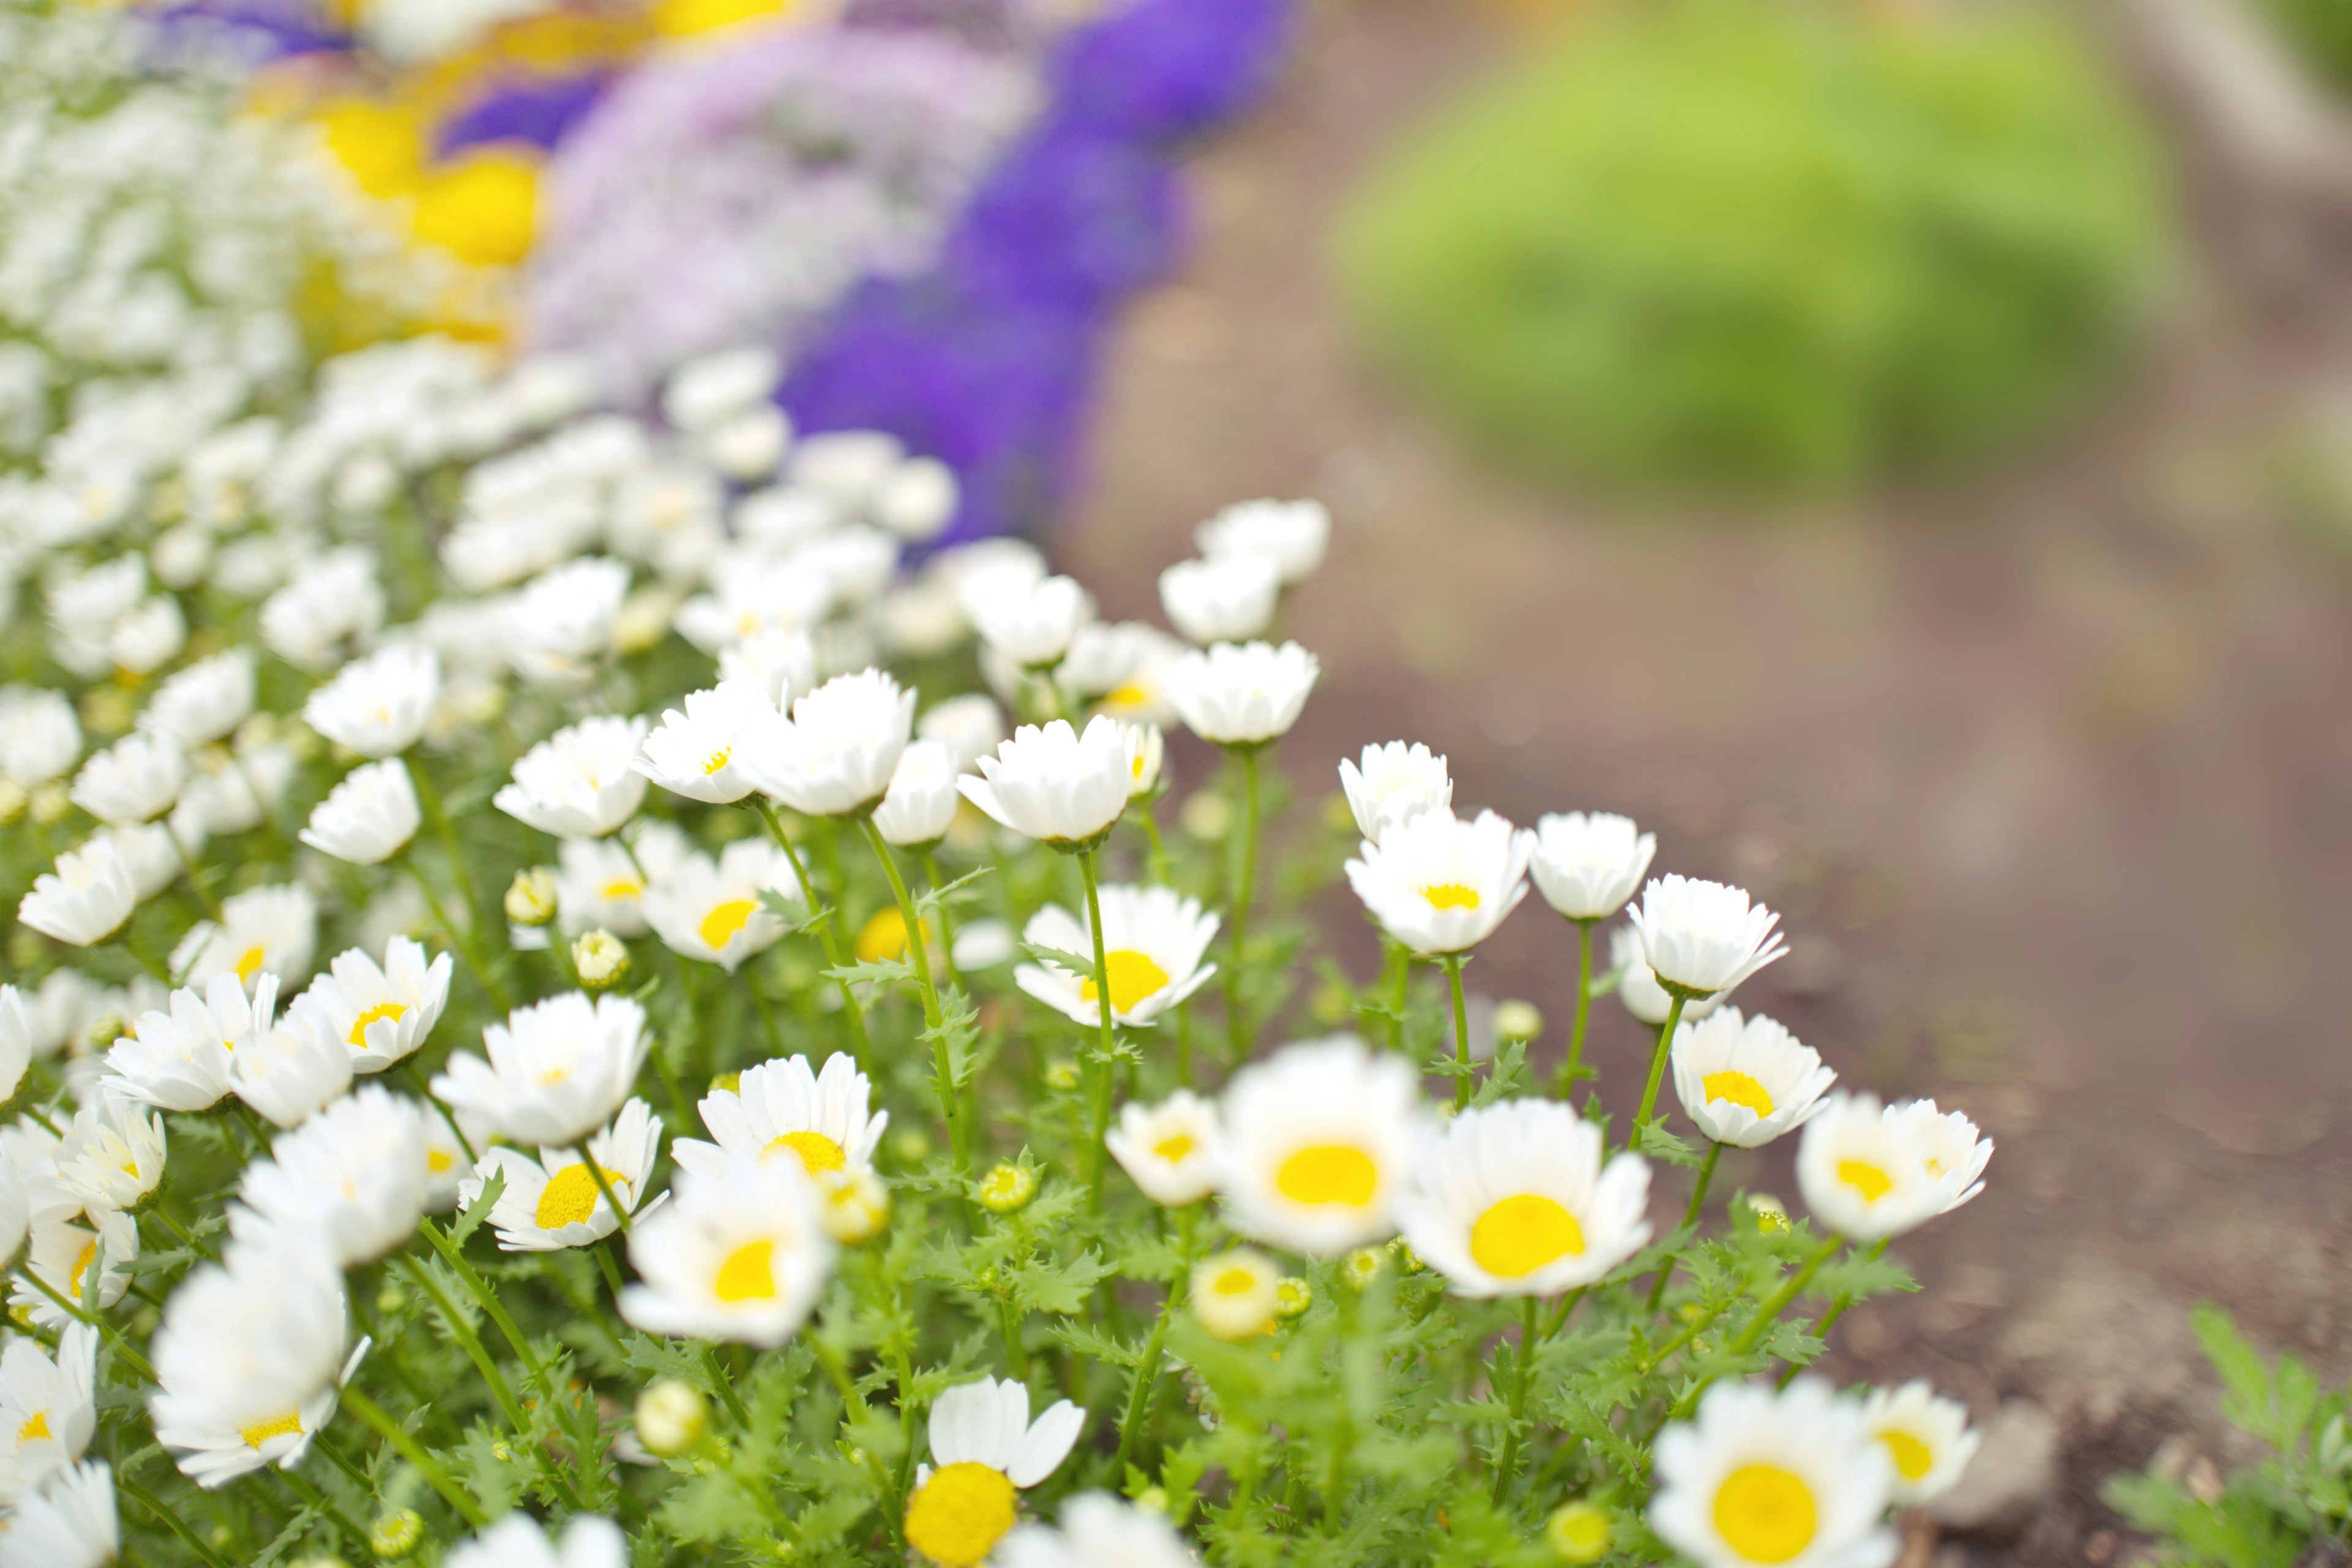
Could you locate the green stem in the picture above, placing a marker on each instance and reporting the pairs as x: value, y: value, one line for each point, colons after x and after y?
x: 1151, y: 835
x: 951, y: 1096
x: 414, y: 1081
x: 423, y: 1463
x: 725, y: 1385
x: 1107, y: 1061
x: 596, y: 1173
x: 454, y: 1256
x: 1147, y: 1371
x: 1837, y: 1309
x: 930, y: 862
x: 195, y: 875
x: 608, y: 1268
x: 1772, y: 1306
x: 317, y: 1500
x: 463, y: 879
x: 1507, y: 1469
x: 129, y: 1356
x: 178, y: 1526
x: 1574, y: 1066
x: 827, y: 937
x: 475, y: 1351
x: 1400, y: 993
x: 1453, y: 963
x: 463, y: 940
x: 1245, y: 890
x: 1690, y: 1218
x: 1658, y: 1070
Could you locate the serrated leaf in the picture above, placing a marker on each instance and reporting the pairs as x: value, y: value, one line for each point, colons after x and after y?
x: 1652, y: 1137
x: 470, y: 1220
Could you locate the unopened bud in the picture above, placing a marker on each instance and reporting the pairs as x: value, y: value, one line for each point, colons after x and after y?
x: 1062, y: 1075
x: 600, y: 958
x: 396, y: 1535
x: 1363, y: 1265
x: 1771, y: 1214
x: 1235, y: 1294
x: 1578, y: 1532
x: 1517, y: 1020
x: 1007, y: 1187
x: 671, y: 1417
x: 1292, y: 1296
x: 530, y: 898
x: 856, y: 1205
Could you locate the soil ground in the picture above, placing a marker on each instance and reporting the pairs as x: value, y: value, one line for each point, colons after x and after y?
x: 2051, y: 778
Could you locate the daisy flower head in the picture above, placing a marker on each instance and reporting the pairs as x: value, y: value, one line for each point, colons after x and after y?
x: 292, y: 1071
x: 15, y: 1041
x: 112, y: 1154
x: 837, y: 754
x: 692, y: 751
x: 1228, y: 598
x: 250, y: 1358
x: 1863, y: 1169
x: 269, y: 930
x: 83, y: 1257
x: 449, y: 1159
x: 1242, y: 694
x: 181, y: 1060
x: 333, y: 600
x: 1031, y: 621
x: 1512, y: 1199
x: 134, y: 779
x: 1639, y: 990
x: 984, y: 1449
x: 969, y: 727
x: 1056, y: 784
x: 40, y: 736
x: 198, y: 705
x: 48, y: 1408
x: 352, y: 1176
x: 1293, y: 534
x: 368, y: 818
x: 17, y: 1207
x: 779, y: 660
x: 383, y: 1012
x: 1789, y: 1479
x: 1441, y: 885
x: 553, y: 1202
x: 518, y: 1542
x: 715, y: 911
x: 782, y: 1109
x: 560, y: 622
x: 1121, y: 667
x: 1394, y: 783
x: 1147, y: 753
x: 1955, y: 1155
x: 85, y: 898
x: 578, y: 782
x: 1171, y: 1150
x: 922, y: 797
x: 1095, y: 1528
x: 1318, y: 1143
x: 1701, y: 937
x: 558, y: 1068
x: 1587, y: 864
x: 710, y: 389
x: 741, y: 1256
x: 69, y: 1522
x: 1236, y: 1295
x: 1927, y: 1438
x: 601, y: 882
x: 1746, y: 1080
x: 1154, y: 939
x: 378, y: 705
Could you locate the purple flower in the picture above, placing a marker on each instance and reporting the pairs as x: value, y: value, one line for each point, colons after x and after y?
x: 539, y: 112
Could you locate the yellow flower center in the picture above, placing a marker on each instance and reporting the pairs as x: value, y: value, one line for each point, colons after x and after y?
x: 960, y: 1514
x: 1450, y: 896
x: 438, y: 1161
x: 719, y: 926
x: 1127, y: 698
x: 818, y: 1152
x: 249, y: 965
x: 623, y: 887
x: 749, y: 1274
x: 1174, y: 1149
x: 82, y: 1260
x: 570, y: 1196
x: 1912, y: 1456
x: 1522, y: 1234
x: 1234, y: 1281
x: 1740, y: 1090
x: 884, y: 938
x: 1328, y: 1173
x: 260, y: 1432
x: 718, y: 760
x: 1765, y: 1513
x: 38, y: 1427
x: 1133, y: 977
x: 1865, y: 1178
x: 375, y: 1014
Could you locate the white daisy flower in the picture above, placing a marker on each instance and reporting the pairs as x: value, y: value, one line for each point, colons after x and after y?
x: 85, y: 900
x: 748, y: 447
x: 1394, y: 782
x: 1639, y: 990
x: 761, y: 609
x: 1588, y: 864
x: 578, y: 782
x: 712, y: 911
x: 292, y: 1071
x: 837, y: 754
x: 692, y: 751
x: 1745, y: 1081
x: 1863, y: 1169
x: 382, y: 1013
x: 48, y: 1408
x: 518, y: 1542
x: 1293, y: 534
x: 1235, y: 1294
x: 741, y: 1256
x: 352, y: 1176
x: 148, y: 853
x: 40, y: 736
x: 1171, y: 1150
x: 273, y: 930
x: 922, y: 797
x: 204, y: 702
x: 1441, y: 885
x: 447, y: 1159
x: 15, y: 1041
x: 781, y: 660
x: 969, y: 727
x: 63, y: 1248
x: 17, y: 1205
x: 983, y: 1448
x: 334, y: 599
x: 1121, y: 667
x: 918, y: 501
x: 1154, y: 939
x: 1242, y: 694
x: 560, y: 622
x: 552, y: 1202
x: 1791, y: 1479
x: 1096, y: 1528
x: 368, y: 818
x: 1056, y: 784
x: 69, y: 1522
x: 1319, y: 1142
x: 1030, y: 623
x: 558, y: 1070
x: 1513, y: 1200
x: 1703, y: 937
x: 1228, y: 598
x: 378, y: 705
x: 250, y: 1358
x: 708, y: 389
x: 1955, y: 1155
x: 134, y: 779
x: 1927, y: 1436
x: 113, y: 1155
x: 601, y: 881
x: 783, y: 1107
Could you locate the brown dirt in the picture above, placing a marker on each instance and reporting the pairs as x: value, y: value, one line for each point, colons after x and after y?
x: 2051, y: 778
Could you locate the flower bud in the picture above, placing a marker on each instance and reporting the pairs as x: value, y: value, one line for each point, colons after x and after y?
x: 1292, y: 1296
x: 50, y: 804
x: 1578, y: 1532
x: 1771, y: 1214
x: 1363, y: 1265
x: 1517, y: 1020
x: 671, y: 1417
x: 395, y: 1534
x: 601, y: 959
x: 1206, y: 814
x: 1062, y: 1075
x: 530, y: 898
x: 856, y: 1205
x: 1007, y: 1187
x: 1235, y: 1295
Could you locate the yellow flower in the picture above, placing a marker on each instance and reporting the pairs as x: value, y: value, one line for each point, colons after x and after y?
x: 687, y: 19
x: 483, y: 209
x: 382, y: 144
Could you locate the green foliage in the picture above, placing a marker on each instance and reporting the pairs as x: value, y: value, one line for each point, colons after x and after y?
x: 2320, y: 31
x: 1764, y: 245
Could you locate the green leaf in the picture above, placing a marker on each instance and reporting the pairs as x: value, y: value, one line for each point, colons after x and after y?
x: 1652, y: 1137
x: 1060, y: 1288
x: 470, y: 1221
x: 1103, y: 1347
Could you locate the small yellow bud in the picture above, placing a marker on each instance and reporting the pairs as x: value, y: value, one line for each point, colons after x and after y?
x: 1517, y: 1020
x: 1771, y: 1214
x: 1206, y: 814
x: 600, y: 958
x: 910, y: 1144
x: 732, y: 1082
x: 672, y: 1416
x: 1363, y: 1265
x: 1154, y: 1499
x: 1062, y: 1075
x: 1007, y: 1187
x: 1578, y: 1532
x: 530, y: 898
x: 1236, y: 1294
x: 1292, y: 1296
x: 396, y: 1535
x: 390, y: 1299
x: 856, y: 1205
